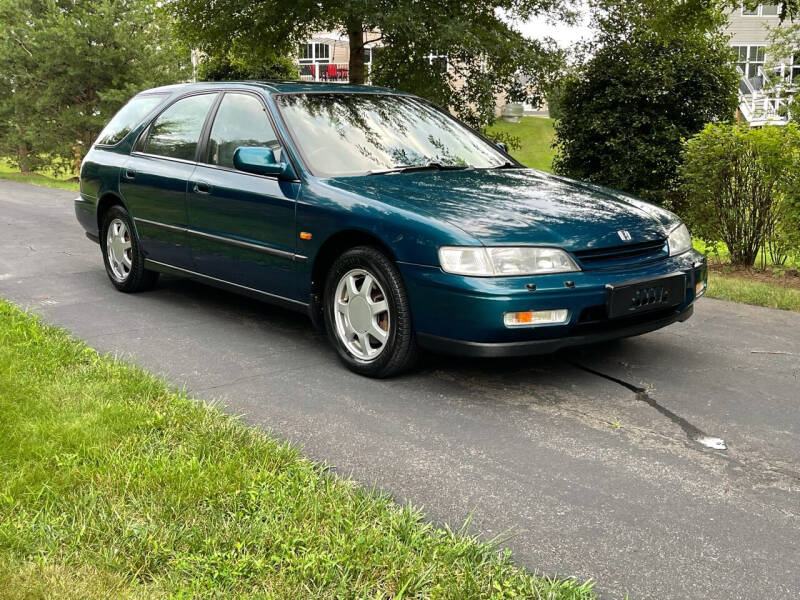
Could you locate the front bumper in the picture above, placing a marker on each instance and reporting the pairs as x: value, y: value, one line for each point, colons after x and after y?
x: 464, y: 315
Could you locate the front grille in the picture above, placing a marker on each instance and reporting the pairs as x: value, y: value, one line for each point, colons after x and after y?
x: 598, y: 258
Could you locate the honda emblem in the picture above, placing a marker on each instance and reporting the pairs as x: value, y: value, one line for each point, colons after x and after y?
x: 624, y: 235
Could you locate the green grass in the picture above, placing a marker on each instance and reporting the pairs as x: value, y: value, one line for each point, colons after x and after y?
x: 47, y: 179
x: 536, y: 135
x: 758, y: 293
x: 112, y: 485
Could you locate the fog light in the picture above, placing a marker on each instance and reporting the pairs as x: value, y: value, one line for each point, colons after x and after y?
x: 535, y: 317
x: 700, y: 288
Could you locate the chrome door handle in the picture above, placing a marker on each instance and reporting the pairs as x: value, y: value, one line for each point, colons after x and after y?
x: 129, y: 174
x: 201, y: 187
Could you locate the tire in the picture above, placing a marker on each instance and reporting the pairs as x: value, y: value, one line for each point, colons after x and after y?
x: 364, y: 295
x: 122, y: 253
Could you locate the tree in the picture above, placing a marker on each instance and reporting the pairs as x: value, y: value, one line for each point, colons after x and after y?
x: 66, y: 66
x: 784, y: 44
x: 230, y: 67
x: 658, y: 71
x: 743, y: 188
x: 484, y: 53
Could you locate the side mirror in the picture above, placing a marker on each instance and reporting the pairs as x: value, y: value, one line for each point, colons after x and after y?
x: 260, y: 161
x: 502, y: 146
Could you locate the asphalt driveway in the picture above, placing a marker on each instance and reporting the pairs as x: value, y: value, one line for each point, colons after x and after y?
x: 588, y: 460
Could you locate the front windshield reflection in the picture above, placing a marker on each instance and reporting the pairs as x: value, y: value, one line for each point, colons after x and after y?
x: 342, y: 134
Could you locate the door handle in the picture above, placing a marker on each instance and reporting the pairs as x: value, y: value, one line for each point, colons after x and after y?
x: 129, y: 174
x: 201, y: 187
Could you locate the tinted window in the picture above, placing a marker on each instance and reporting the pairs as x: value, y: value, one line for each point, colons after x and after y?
x: 240, y: 121
x: 354, y: 134
x: 176, y: 131
x: 128, y: 117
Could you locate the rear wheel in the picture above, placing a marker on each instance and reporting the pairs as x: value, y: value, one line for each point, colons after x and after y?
x: 367, y: 314
x: 122, y: 253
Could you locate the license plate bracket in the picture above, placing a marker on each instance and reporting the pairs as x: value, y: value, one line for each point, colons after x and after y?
x: 634, y: 297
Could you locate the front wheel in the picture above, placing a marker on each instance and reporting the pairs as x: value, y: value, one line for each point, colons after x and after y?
x: 367, y: 314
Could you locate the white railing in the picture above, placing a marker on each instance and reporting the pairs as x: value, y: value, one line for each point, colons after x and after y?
x: 763, y: 103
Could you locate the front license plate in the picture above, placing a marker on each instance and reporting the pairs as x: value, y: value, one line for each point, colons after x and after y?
x: 631, y: 298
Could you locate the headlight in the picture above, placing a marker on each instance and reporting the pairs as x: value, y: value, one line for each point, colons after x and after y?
x: 679, y: 240
x: 504, y: 261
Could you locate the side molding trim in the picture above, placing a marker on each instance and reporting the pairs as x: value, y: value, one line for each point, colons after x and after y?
x: 155, y: 265
x: 230, y: 241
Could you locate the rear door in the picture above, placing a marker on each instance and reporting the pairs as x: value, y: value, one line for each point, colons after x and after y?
x: 241, y: 225
x: 155, y: 179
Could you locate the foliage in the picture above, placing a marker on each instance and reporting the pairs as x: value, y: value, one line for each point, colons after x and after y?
x: 237, y: 68
x: 742, y: 187
x: 658, y: 71
x: 784, y: 42
x: 46, y: 177
x: 66, y: 66
x: 113, y: 486
x: 485, y: 55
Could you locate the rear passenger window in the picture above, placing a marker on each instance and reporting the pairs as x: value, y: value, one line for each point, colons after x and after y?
x: 128, y: 117
x: 176, y: 131
x: 241, y: 121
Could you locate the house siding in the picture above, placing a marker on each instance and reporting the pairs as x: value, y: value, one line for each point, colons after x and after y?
x: 749, y: 30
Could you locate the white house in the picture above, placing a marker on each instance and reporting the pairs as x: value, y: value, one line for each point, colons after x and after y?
x: 749, y: 31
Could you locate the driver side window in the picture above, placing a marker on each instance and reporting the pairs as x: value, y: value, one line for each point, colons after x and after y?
x: 240, y: 121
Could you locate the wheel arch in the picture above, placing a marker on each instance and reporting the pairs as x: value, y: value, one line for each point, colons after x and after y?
x: 106, y: 201
x: 333, y: 247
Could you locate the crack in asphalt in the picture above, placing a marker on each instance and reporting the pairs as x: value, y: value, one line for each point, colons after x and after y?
x: 758, y: 468
x: 693, y: 432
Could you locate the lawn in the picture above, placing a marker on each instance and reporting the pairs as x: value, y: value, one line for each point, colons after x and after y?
x: 748, y: 291
x: 46, y: 178
x: 773, y: 286
x: 535, y: 135
x: 113, y: 485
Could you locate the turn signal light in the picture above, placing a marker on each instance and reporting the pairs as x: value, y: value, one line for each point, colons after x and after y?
x: 304, y: 235
x: 535, y: 317
x: 700, y: 288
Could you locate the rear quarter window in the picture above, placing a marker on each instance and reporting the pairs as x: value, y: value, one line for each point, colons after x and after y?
x: 128, y: 117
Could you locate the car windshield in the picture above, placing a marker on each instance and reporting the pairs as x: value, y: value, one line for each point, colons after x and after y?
x: 342, y: 134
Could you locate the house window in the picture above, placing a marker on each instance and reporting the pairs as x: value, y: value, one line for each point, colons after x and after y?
x: 762, y: 10
x: 749, y: 58
x: 314, y: 53
x: 438, y: 61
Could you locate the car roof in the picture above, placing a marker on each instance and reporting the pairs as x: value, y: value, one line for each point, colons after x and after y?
x: 276, y: 87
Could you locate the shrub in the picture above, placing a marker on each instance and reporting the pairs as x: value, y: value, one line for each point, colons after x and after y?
x: 623, y: 113
x: 742, y: 186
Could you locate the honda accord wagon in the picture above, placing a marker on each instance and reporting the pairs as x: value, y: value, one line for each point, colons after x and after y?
x: 390, y: 223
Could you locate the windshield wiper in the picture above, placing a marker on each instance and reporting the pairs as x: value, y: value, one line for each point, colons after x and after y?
x: 431, y: 166
x: 506, y: 165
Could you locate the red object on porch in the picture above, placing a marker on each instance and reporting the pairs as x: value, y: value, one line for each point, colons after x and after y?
x: 332, y: 71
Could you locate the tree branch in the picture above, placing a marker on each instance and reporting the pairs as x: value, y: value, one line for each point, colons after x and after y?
x: 19, y: 41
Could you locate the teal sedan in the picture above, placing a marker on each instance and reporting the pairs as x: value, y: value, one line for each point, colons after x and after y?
x: 390, y: 223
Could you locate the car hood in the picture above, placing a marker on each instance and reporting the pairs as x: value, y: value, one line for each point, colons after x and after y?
x: 519, y: 206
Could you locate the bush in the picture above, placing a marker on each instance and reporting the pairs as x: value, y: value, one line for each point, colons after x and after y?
x: 622, y: 116
x: 742, y: 186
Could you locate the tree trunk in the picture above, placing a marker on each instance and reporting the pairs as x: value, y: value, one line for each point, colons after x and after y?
x: 355, y: 33
x: 22, y: 159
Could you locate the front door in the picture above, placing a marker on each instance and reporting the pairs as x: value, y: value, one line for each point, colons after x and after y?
x: 242, y: 226
x: 155, y: 179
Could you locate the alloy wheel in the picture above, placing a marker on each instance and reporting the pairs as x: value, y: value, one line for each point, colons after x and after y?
x: 362, y: 314
x: 119, y: 249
